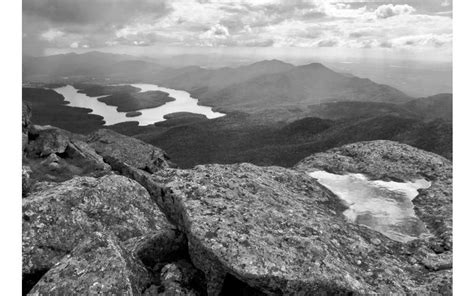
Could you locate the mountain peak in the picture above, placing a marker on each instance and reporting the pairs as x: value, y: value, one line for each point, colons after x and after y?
x: 314, y: 66
x: 272, y: 62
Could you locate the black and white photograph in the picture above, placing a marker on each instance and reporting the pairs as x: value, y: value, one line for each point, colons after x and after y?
x: 234, y: 147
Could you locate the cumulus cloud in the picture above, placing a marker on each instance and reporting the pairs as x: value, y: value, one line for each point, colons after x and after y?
x: 389, y: 10
x: 235, y: 23
x: 327, y: 43
x: 51, y: 34
x: 86, y: 12
x: 91, y: 21
x: 426, y: 40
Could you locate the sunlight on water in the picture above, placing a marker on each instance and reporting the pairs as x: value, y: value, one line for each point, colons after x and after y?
x: 383, y: 206
x: 183, y: 103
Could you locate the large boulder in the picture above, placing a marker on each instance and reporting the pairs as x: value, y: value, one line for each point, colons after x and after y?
x: 59, y: 217
x: 281, y: 232
x: 390, y: 160
x: 58, y: 155
x: 97, y: 266
x: 48, y: 139
x: 131, y: 151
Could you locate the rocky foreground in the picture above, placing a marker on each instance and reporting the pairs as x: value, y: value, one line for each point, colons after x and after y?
x: 109, y: 214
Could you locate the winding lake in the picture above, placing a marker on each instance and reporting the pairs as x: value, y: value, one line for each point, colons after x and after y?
x: 183, y: 103
x: 383, y: 206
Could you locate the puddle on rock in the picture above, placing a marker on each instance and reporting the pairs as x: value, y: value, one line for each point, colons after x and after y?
x: 383, y: 206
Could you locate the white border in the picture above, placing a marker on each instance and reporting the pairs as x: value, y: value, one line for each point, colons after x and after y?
x: 10, y: 172
x: 463, y: 147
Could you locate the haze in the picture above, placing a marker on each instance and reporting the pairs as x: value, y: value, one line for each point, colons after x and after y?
x: 380, y: 40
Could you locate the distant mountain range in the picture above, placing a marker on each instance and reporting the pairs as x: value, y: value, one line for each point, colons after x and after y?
x: 277, y: 113
x: 249, y: 88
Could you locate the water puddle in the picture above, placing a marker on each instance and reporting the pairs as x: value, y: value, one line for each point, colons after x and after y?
x: 383, y: 206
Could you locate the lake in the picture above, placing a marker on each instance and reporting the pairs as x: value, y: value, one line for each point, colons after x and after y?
x: 183, y: 103
x: 383, y: 206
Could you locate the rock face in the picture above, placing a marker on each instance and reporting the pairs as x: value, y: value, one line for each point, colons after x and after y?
x: 25, y: 124
x: 56, y: 219
x: 97, y: 266
x: 57, y: 155
x: 228, y: 229
x: 165, y: 245
x: 48, y: 140
x: 26, y: 181
x: 280, y: 231
x: 399, y: 162
x: 128, y: 150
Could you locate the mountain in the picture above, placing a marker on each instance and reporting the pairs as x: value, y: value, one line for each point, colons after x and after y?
x: 437, y: 106
x: 210, y: 80
x: 71, y: 64
x: 132, y: 68
x: 240, y: 137
x: 248, y: 88
x: 277, y: 113
x: 300, y: 86
x: 430, y: 108
x: 357, y: 109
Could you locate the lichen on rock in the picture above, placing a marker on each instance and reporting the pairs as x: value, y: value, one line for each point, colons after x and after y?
x: 388, y: 160
x: 128, y: 150
x: 280, y: 231
x: 58, y: 155
x: 240, y: 228
x: 56, y: 219
x: 99, y: 265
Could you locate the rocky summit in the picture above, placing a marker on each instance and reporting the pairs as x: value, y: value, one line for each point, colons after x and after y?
x: 109, y: 214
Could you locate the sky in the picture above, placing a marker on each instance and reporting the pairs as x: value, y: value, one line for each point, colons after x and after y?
x: 410, y: 29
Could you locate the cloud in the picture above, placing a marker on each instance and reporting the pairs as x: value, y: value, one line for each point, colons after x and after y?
x: 86, y: 21
x: 51, y: 34
x: 427, y: 40
x: 328, y: 43
x: 349, y: 24
x: 389, y: 10
x: 93, y: 11
x: 446, y: 3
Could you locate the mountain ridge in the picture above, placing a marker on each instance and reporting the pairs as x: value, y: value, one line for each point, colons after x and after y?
x: 238, y: 89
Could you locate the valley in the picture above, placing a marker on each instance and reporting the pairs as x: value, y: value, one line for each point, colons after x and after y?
x: 275, y: 113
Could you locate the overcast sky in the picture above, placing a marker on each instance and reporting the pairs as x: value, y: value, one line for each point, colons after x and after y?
x: 411, y: 28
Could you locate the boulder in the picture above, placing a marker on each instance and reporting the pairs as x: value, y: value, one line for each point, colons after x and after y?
x: 25, y: 125
x: 58, y: 155
x: 97, y: 266
x: 26, y: 181
x: 128, y: 150
x: 178, y: 278
x: 281, y: 232
x: 388, y: 160
x: 47, y: 140
x: 25, y: 117
x: 59, y: 217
